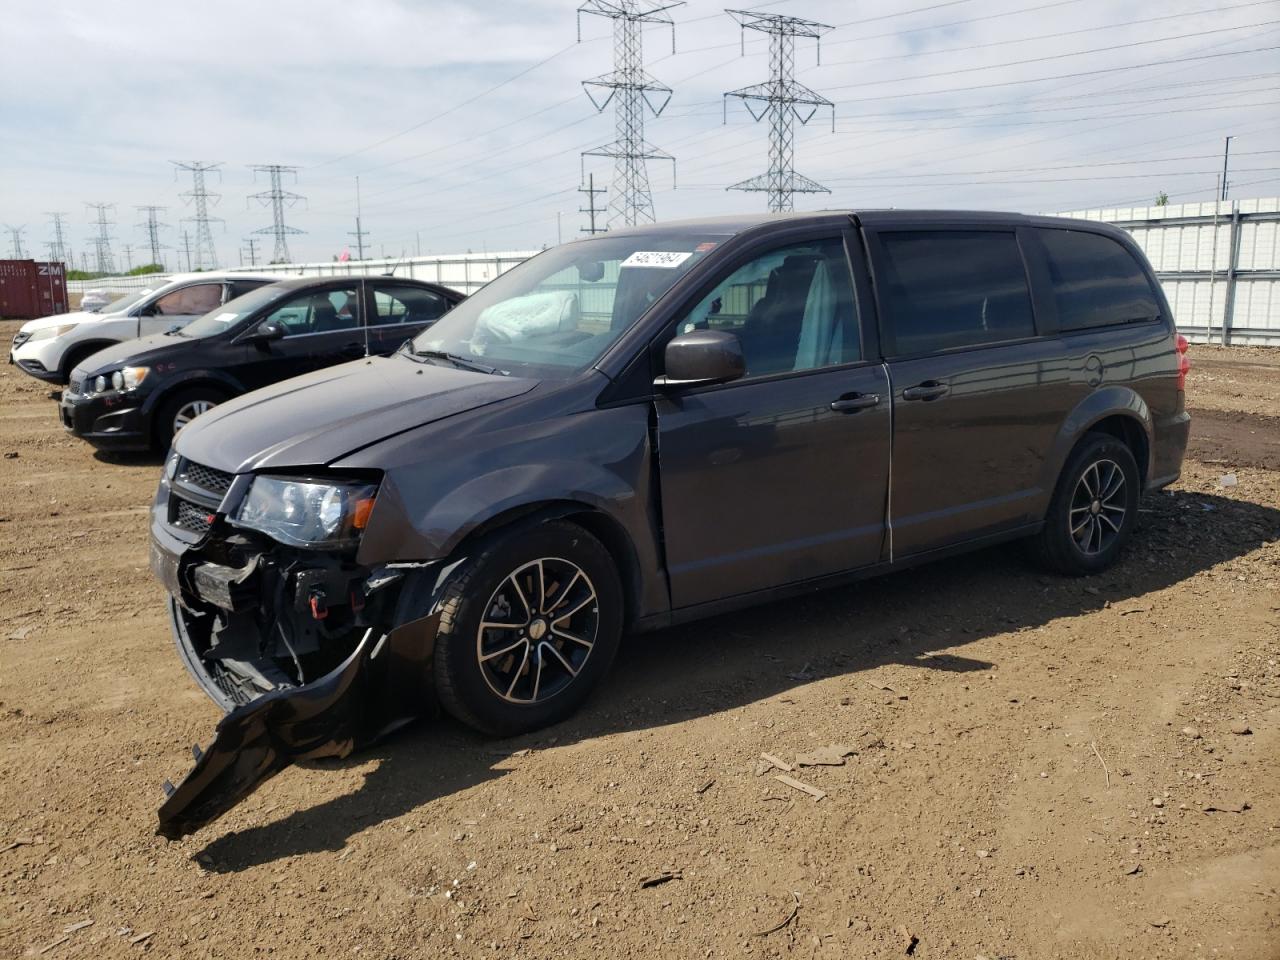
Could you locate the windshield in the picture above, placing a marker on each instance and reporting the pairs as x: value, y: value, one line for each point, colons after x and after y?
x: 226, y: 316
x: 559, y: 312
x: 127, y: 302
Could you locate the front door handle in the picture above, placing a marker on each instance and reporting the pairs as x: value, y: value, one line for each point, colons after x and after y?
x: 853, y: 402
x: 929, y: 390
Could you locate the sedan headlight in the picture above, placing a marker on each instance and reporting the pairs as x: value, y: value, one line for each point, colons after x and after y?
x: 307, y: 513
x: 122, y: 380
x: 48, y: 333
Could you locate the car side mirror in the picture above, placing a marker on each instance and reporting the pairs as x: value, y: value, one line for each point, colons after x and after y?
x: 150, y: 310
x: 267, y: 330
x: 703, y: 356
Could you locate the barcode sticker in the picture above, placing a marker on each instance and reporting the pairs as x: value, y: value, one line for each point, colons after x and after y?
x: 656, y: 258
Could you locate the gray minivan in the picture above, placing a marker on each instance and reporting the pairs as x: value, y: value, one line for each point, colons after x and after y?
x: 641, y: 428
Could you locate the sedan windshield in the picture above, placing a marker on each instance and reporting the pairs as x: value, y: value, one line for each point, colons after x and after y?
x: 226, y: 316
x: 559, y: 312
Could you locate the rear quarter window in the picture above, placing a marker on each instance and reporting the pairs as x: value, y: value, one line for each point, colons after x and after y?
x: 947, y: 289
x: 1096, y: 281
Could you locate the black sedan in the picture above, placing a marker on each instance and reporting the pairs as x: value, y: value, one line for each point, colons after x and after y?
x: 138, y: 394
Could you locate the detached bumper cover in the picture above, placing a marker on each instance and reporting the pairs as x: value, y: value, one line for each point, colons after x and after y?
x: 382, y: 684
x: 373, y: 692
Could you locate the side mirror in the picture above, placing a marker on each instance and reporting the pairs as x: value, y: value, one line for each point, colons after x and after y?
x: 150, y: 310
x: 267, y: 330
x: 703, y: 356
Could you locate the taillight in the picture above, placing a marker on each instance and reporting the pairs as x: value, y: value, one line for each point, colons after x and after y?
x: 1184, y: 364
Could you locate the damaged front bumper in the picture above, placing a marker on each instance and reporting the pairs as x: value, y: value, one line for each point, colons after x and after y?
x: 311, y: 655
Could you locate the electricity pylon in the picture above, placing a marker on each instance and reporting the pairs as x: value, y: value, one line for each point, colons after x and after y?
x: 783, y: 101
x: 631, y: 90
x: 153, y: 226
x: 279, y: 198
x: 206, y: 257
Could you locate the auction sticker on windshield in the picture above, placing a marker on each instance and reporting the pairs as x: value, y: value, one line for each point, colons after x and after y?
x: 656, y: 258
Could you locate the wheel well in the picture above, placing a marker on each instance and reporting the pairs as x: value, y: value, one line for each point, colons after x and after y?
x: 600, y: 525
x: 81, y: 351
x: 1129, y: 432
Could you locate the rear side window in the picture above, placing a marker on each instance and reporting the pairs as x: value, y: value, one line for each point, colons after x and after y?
x: 240, y: 287
x: 1096, y: 281
x: 952, y: 288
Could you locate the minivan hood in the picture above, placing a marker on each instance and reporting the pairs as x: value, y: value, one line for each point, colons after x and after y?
x: 58, y: 319
x: 319, y: 417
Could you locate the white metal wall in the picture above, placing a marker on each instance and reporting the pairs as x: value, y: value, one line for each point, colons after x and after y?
x: 1219, y: 264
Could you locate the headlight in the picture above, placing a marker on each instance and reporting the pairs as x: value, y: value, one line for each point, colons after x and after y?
x: 307, y: 513
x: 132, y: 376
x: 122, y: 380
x: 48, y: 333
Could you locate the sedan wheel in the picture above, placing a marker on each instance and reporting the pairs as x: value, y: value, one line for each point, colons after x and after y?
x: 189, y: 411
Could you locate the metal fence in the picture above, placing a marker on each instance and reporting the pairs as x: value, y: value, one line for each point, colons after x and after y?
x: 1219, y: 264
x: 464, y: 272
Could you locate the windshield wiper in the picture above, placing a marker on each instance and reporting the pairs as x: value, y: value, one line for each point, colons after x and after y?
x: 465, y: 362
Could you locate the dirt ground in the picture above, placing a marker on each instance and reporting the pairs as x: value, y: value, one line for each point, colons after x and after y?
x: 1042, y: 767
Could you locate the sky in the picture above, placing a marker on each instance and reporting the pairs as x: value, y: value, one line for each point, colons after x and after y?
x: 465, y: 122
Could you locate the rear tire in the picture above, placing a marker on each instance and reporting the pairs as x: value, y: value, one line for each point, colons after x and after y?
x: 178, y: 410
x: 1093, y: 510
x: 529, y: 626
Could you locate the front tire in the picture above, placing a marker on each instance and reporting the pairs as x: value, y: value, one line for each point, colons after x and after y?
x: 528, y: 628
x: 1094, y: 508
x: 179, y: 410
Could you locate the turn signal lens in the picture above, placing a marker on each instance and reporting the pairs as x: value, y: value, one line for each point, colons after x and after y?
x: 360, y: 515
x: 1184, y: 364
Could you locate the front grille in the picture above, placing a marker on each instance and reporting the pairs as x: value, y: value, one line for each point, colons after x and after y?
x: 75, y: 386
x: 190, y: 516
x: 207, y: 479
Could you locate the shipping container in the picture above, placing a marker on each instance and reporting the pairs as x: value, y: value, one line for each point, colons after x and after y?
x: 31, y: 288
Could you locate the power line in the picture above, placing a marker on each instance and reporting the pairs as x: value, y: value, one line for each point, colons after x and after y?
x: 781, y: 98
x: 1058, y: 35
x: 279, y: 198
x: 631, y: 89
x: 206, y: 257
x: 1053, y: 56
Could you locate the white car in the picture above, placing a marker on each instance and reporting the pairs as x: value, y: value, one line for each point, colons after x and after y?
x: 49, y: 348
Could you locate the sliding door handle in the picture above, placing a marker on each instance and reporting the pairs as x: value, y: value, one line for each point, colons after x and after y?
x: 929, y: 390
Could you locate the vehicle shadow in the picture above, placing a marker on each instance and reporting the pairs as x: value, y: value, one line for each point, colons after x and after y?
x: 121, y: 458
x: 716, y: 665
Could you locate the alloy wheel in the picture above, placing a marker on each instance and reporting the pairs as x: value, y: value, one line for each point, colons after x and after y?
x: 1098, y: 507
x: 189, y: 411
x: 538, y: 630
